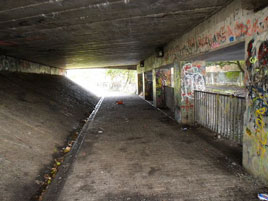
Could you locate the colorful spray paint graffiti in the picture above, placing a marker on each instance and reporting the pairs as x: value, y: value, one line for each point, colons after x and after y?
x: 256, y: 132
x: 237, y: 30
x: 235, y: 27
x: 192, y: 78
x: 17, y: 65
x: 163, y: 78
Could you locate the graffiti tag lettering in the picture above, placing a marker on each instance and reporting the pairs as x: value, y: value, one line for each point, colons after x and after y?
x: 192, y: 80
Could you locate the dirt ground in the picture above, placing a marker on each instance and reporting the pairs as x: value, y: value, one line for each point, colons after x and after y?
x: 133, y: 152
x: 37, y: 114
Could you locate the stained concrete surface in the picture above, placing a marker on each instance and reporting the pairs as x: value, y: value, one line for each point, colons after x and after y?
x: 134, y: 152
x: 96, y: 33
x: 37, y: 114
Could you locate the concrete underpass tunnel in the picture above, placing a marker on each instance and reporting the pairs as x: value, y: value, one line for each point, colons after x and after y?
x: 133, y: 100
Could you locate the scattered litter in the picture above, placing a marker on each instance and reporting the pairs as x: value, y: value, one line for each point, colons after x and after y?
x: 262, y: 196
x: 67, y: 149
x: 185, y: 129
x: 39, y: 182
x: 85, y: 120
x: 219, y: 136
x: 120, y: 102
x: 100, y: 132
x: 233, y: 163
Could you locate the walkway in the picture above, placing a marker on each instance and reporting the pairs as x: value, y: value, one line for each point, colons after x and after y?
x: 135, y: 153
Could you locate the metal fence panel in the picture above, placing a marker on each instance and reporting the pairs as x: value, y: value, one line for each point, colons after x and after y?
x: 222, y: 113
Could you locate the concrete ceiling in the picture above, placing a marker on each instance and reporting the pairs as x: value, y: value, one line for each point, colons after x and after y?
x: 96, y: 33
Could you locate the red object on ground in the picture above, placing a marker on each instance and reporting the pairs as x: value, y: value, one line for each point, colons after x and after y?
x: 119, y: 102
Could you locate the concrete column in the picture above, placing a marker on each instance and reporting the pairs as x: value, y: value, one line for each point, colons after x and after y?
x: 143, y: 85
x: 154, y: 87
x: 177, y: 91
x: 192, y: 78
x: 255, y: 139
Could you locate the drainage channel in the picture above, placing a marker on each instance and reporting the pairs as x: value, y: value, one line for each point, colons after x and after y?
x: 55, y: 185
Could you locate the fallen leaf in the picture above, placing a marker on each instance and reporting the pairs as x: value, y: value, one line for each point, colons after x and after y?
x: 67, y: 149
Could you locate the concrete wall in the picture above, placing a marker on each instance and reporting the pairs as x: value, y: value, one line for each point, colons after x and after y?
x: 163, y: 78
x: 255, y: 149
x: 192, y: 78
x: 230, y: 26
x: 17, y: 65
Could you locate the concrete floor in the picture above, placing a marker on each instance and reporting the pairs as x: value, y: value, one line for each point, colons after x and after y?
x: 143, y: 155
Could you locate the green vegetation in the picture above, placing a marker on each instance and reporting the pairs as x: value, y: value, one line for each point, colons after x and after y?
x: 240, y: 64
x: 232, y: 75
x: 128, y: 75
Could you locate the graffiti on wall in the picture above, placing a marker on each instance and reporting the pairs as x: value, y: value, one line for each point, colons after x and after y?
x: 225, y: 34
x: 148, y: 78
x: 17, y: 65
x: 163, y: 78
x: 258, y: 93
x: 192, y: 79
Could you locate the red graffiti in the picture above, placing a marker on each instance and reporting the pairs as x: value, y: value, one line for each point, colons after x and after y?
x: 263, y: 53
x: 221, y: 35
x: 188, y: 94
x: 229, y: 31
x: 7, y: 43
x: 187, y: 106
x: 238, y: 30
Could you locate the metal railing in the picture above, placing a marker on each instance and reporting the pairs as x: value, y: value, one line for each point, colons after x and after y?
x: 222, y: 113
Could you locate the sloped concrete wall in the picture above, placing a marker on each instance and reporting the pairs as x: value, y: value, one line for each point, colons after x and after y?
x: 17, y: 65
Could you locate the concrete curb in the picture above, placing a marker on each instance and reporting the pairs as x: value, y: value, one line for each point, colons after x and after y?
x: 54, y: 189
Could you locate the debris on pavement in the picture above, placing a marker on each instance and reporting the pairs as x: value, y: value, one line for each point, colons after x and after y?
x: 263, y: 196
x: 120, y: 102
x: 51, y: 174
